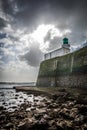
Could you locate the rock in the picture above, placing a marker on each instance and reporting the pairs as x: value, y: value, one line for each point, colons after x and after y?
x: 48, y: 110
x: 38, y: 116
x: 48, y: 102
x: 16, y: 95
x: 1, y: 108
x: 42, y: 124
x: 60, y: 128
x: 8, y: 126
x: 69, y: 128
x: 14, y: 107
x: 66, y: 95
x: 85, y: 119
x: 2, y: 117
x: 55, y: 96
x: 43, y: 121
x: 22, y: 126
x: 28, y: 124
x: 3, y: 103
x: 36, y: 100
x: 64, y: 125
x: 74, y: 111
x: 54, y: 114
x: 66, y: 116
x: 20, y: 116
x: 24, y: 106
x: 82, y: 110
x: 2, y: 94
x: 71, y: 104
x: 81, y: 101
x: 58, y: 124
x: 85, y: 126
x: 71, y: 98
x: 41, y: 105
x: 45, y: 116
x: 33, y: 108
x: 30, y: 114
x: 44, y: 100
x: 53, y: 105
x: 30, y: 109
x: 51, y: 122
x: 21, y: 97
x: 40, y: 111
x: 8, y: 117
x: 62, y: 95
x: 79, y: 120
x: 53, y: 128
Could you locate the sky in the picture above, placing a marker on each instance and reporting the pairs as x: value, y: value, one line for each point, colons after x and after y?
x: 31, y: 28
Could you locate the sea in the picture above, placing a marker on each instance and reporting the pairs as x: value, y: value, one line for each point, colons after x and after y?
x: 11, y: 100
x: 11, y: 85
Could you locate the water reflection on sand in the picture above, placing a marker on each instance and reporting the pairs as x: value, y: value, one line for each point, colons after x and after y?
x: 11, y: 100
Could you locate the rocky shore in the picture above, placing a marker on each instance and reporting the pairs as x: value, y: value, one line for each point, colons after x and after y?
x: 62, y: 111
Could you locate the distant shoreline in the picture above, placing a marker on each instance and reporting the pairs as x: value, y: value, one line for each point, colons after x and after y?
x: 7, y: 88
x: 17, y: 83
x: 11, y: 85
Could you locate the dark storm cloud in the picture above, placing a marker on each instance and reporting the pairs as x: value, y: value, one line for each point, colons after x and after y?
x: 2, y: 23
x: 6, y: 58
x: 53, y: 43
x: 48, y: 36
x: 2, y: 35
x: 34, y: 12
x: 32, y: 57
x: 2, y: 45
x: 64, y: 14
x: 6, y: 6
x: 13, y: 38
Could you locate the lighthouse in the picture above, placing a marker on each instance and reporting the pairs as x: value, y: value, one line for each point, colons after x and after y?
x: 65, y: 43
x: 65, y: 49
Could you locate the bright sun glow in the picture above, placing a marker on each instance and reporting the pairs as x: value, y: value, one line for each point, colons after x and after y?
x: 38, y: 35
x: 41, y: 32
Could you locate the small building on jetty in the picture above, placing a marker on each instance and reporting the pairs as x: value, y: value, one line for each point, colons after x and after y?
x: 65, y: 49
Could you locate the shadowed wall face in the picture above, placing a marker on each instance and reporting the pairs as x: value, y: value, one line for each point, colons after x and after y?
x: 69, y: 70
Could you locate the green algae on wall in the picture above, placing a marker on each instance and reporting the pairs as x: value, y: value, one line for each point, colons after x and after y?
x: 61, y: 70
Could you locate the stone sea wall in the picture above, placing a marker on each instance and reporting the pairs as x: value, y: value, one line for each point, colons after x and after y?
x: 68, y: 70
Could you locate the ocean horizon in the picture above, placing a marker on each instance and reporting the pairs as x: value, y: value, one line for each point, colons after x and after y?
x: 10, y: 85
